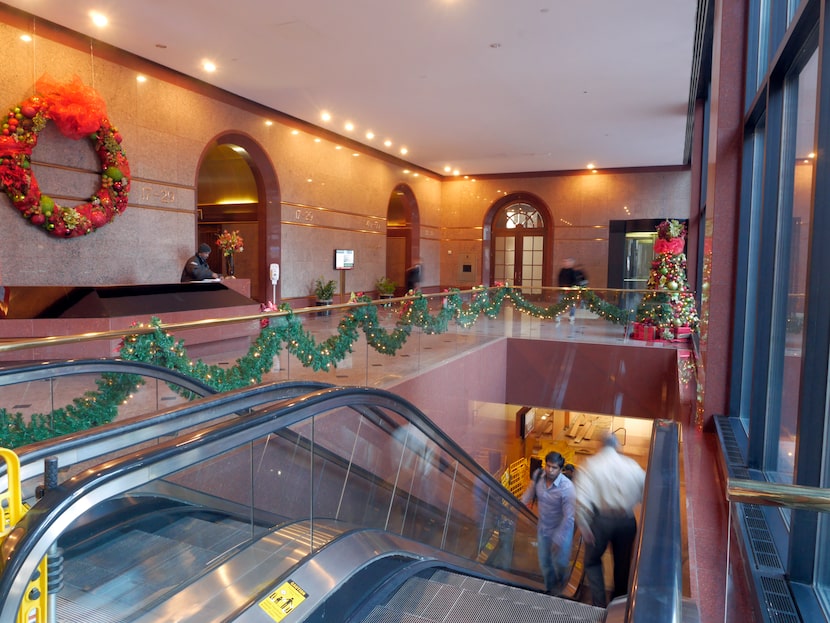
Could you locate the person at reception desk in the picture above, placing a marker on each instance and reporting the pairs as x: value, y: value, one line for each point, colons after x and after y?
x: 196, y: 268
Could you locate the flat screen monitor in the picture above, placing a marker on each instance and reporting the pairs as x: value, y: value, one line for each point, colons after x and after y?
x: 343, y: 259
x: 525, y: 421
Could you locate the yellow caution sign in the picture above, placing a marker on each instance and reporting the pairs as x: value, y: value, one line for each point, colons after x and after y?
x: 282, y: 602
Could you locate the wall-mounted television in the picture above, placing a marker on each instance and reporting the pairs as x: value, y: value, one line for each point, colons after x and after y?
x: 343, y: 259
x: 525, y: 421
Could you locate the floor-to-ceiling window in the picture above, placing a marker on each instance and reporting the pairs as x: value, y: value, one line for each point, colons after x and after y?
x: 782, y: 346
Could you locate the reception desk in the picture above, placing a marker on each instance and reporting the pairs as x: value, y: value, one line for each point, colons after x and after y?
x: 34, y: 312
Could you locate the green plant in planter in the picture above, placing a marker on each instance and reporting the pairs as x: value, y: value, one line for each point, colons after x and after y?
x: 385, y: 286
x: 324, y: 290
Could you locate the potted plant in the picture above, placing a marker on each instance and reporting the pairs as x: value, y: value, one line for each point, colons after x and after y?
x: 385, y: 287
x: 324, y: 291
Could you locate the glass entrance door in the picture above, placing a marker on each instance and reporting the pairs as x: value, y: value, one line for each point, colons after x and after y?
x: 518, y: 260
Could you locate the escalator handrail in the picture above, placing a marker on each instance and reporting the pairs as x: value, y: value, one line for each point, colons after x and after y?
x: 115, y: 436
x: 42, y: 370
x: 656, y: 593
x: 59, y: 507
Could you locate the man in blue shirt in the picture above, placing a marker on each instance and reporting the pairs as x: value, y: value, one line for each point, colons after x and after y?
x: 556, y: 502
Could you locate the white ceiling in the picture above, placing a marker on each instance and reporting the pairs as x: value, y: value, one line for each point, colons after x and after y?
x: 485, y: 86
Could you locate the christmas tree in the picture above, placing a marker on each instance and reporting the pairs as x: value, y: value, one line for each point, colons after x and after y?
x: 669, y: 305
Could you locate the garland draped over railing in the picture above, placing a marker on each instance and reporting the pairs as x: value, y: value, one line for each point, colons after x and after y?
x: 284, y: 328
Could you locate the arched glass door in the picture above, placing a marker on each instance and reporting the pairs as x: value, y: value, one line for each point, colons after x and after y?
x: 518, y: 247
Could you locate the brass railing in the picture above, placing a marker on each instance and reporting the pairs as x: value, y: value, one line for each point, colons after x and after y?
x: 797, y: 497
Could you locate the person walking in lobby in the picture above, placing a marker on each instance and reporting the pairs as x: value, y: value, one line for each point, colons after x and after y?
x: 608, y: 489
x: 555, y: 497
x: 568, y: 278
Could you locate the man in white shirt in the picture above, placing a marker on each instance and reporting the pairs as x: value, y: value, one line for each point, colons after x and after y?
x: 608, y: 489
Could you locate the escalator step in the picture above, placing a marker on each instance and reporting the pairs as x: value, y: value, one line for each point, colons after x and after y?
x: 454, y: 598
x: 215, y: 536
x: 130, y: 571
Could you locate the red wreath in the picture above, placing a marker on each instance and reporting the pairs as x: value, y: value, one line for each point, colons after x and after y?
x: 78, y: 111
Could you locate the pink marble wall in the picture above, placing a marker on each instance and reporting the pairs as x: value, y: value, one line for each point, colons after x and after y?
x: 626, y: 380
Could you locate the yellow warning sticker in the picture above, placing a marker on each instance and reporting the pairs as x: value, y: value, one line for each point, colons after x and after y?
x: 281, y: 602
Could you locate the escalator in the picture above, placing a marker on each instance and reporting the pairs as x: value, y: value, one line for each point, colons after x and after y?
x: 337, y: 504
x: 317, y: 467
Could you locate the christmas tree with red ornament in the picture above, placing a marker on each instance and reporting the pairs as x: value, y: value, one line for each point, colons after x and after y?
x: 668, y: 310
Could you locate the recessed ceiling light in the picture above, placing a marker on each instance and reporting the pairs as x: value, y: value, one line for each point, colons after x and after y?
x: 99, y: 19
x: 349, y: 126
x: 370, y: 135
x: 456, y: 172
x: 590, y: 165
x: 209, y: 66
x: 387, y: 143
x: 325, y: 116
x: 404, y: 151
x: 447, y: 168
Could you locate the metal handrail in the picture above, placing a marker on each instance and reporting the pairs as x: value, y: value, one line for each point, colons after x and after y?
x: 656, y: 591
x: 10, y: 345
x: 14, y: 344
x: 798, y: 497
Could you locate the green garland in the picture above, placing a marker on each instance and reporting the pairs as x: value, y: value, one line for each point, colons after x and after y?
x: 160, y: 348
x: 94, y: 408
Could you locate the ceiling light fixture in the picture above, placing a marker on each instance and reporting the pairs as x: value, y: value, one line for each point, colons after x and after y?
x: 209, y: 66
x: 387, y: 143
x: 370, y: 135
x: 325, y: 116
x: 99, y: 19
x: 349, y: 126
x: 404, y: 151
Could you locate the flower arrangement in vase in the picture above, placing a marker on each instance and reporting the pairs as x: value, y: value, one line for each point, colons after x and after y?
x: 230, y: 242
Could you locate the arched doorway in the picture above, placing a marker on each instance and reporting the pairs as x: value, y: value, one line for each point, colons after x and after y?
x: 237, y: 189
x: 403, y: 239
x: 521, y: 243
